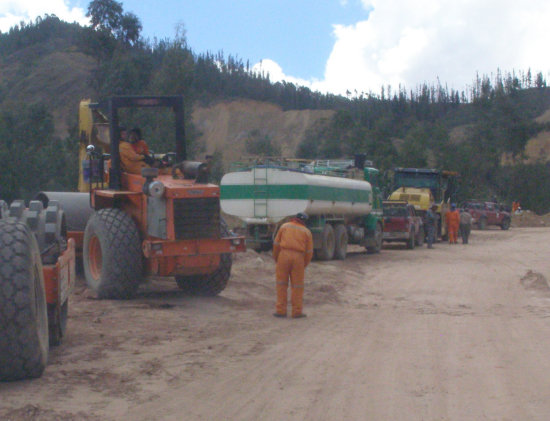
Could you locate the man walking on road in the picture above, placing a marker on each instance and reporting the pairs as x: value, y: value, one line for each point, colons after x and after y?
x: 431, y: 223
x: 292, y: 250
x: 465, y: 225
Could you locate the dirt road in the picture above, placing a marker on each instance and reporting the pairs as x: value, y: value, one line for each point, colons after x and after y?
x: 454, y: 333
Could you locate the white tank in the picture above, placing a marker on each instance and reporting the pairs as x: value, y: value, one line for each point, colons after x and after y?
x: 271, y: 194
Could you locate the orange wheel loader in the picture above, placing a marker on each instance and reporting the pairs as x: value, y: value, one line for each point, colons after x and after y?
x: 164, y: 222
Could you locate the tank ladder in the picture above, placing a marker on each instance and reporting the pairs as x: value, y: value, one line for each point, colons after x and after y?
x: 260, y: 192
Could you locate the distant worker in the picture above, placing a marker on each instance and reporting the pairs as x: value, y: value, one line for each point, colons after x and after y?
x: 431, y: 224
x: 465, y: 225
x: 292, y: 250
x: 131, y: 161
x: 452, y: 218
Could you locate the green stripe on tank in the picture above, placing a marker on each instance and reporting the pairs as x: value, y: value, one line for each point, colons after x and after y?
x: 293, y: 191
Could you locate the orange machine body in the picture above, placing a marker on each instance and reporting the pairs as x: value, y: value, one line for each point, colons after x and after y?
x: 192, y: 243
x: 59, y: 278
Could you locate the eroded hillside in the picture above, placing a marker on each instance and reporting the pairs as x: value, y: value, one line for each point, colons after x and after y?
x: 226, y: 126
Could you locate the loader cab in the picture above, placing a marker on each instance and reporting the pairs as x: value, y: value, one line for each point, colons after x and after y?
x: 110, y: 109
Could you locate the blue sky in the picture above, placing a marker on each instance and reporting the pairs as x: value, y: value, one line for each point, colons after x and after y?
x: 344, y: 45
x: 297, y: 34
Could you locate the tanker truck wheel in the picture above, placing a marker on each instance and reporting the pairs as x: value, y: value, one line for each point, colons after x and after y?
x: 213, y: 283
x: 328, y: 244
x: 341, y: 236
x: 23, y: 312
x: 113, y: 264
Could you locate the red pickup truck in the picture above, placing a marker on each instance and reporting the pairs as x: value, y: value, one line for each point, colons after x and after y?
x: 401, y: 223
x: 487, y: 213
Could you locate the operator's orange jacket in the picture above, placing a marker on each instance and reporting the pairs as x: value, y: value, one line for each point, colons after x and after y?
x: 294, y: 235
x: 453, y: 220
x: 140, y: 147
x: 131, y: 161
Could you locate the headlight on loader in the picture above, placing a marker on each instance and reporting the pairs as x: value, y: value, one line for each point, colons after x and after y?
x: 156, y: 189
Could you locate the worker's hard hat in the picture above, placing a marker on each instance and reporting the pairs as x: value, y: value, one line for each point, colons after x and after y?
x: 453, y: 205
x: 302, y: 216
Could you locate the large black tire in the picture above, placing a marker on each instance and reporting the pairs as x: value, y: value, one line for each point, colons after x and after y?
x: 113, y: 264
x: 328, y: 244
x: 208, y: 285
x: 341, y: 237
x: 505, y: 224
x: 411, y: 241
x: 212, y: 284
x: 378, y: 238
x: 23, y: 313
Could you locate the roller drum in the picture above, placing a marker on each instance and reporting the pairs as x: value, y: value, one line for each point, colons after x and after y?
x: 75, y: 205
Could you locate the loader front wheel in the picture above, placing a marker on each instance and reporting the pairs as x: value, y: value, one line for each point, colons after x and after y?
x: 113, y: 264
x: 23, y: 312
x: 208, y: 285
x: 213, y: 283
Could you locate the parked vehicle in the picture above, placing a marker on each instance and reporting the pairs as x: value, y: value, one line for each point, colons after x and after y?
x: 487, y: 213
x: 401, y: 223
x: 341, y: 197
x: 130, y: 226
x: 422, y: 187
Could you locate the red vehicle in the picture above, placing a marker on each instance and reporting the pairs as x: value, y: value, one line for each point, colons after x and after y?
x: 401, y: 223
x: 487, y: 213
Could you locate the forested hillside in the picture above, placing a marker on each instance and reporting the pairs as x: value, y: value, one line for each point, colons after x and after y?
x: 494, y: 134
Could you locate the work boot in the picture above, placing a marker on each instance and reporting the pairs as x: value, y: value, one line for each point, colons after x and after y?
x: 299, y: 316
x: 279, y: 315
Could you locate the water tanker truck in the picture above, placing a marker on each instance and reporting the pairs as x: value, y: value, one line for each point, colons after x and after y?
x: 341, y: 197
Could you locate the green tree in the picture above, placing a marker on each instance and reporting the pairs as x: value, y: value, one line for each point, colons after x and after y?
x: 105, y: 15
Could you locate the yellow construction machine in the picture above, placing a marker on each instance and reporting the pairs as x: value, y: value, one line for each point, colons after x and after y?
x: 422, y: 187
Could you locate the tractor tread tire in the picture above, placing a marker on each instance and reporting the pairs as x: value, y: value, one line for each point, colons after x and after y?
x: 121, y: 255
x: 212, y: 284
x: 23, y: 312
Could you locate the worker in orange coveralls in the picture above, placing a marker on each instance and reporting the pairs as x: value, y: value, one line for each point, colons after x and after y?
x: 136, y: 140
x: 452, y: 218
x: 292, y: 250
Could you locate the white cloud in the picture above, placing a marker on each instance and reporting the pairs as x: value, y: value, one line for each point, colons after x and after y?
x: 12, y: 12
x: 409, y: 43
x: 276, y: 74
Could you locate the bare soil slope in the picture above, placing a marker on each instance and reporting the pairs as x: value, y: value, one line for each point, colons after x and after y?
x: 226, y: 126
x: 454, y: 333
